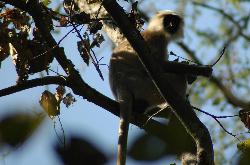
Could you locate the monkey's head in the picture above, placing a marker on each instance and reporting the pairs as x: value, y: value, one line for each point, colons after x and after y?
x: 169, y: 22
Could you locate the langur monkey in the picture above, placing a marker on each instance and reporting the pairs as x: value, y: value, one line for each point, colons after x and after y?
x: 130, y: 83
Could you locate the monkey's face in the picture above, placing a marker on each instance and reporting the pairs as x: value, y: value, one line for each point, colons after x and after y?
x: 168, y: 22
x: 173, y: 25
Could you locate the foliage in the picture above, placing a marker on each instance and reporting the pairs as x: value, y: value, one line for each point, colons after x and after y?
x: 79, y: 151
x: 15, y: 129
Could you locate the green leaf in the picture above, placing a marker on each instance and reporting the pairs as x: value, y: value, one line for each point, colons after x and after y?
x: 80, y: 151
x: 217, y: 101
x: 17, y: 128
x: 46, y: 2
x: 244, y: 146
x: 175, y: 141
x: 147, y: 147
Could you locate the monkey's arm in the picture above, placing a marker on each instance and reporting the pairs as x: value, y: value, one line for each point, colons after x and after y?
x: 184, y: 68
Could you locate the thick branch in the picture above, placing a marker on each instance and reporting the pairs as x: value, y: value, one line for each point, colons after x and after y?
x: 182, y: 109
x: 234, y: 100
x: 92, y: 95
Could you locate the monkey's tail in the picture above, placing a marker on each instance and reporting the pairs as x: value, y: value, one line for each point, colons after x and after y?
x: 125, y: 101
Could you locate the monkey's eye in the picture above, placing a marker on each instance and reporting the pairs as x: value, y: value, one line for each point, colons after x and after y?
x: 171, y: 23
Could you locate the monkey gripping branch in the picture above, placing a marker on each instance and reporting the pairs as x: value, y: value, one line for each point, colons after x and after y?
x: 181, y: 108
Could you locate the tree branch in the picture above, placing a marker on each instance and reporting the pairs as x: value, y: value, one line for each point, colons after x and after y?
x: 60, y: 80
x: 74, y: 81
x: 91, y: 95
x: 152, y: 127
x: 182, y: 109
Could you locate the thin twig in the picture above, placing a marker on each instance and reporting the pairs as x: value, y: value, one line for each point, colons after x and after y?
x: 92, y: 58
x: 64, y: 137
x: 95, y: 63
x: 221, y: 54
x: 98, y: 11
x: 214, y: 115
x: 58, y: 43
x: 172, y: 53
x: 57, y: 135
x: 154, y: 114
x: 216, y: 119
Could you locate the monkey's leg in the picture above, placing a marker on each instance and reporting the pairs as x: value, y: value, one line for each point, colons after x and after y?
x: 125, y: 100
